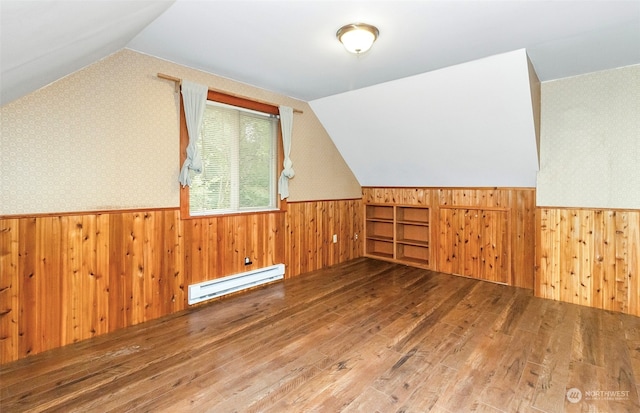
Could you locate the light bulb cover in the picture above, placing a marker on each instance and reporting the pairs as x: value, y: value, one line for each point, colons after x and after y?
x: 357, y: 37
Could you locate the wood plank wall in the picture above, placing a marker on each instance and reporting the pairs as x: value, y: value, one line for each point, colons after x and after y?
x: 485, y: 233
x: 69, y: 277
x: 589, y: 257
x: 474, y: 242
x: 310, y: 227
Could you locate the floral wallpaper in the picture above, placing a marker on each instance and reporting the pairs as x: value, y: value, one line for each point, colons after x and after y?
x: 590, y: 141
x: 107, y: 137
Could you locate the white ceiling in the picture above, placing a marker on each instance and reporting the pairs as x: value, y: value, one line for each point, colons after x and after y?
x: 460, y: 66
x: 43, y: 41
x: 290, y: 46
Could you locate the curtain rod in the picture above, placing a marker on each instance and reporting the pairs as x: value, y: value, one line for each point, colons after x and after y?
x: 178, y: 81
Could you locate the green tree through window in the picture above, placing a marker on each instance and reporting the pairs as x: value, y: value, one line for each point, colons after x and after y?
x: 239, y: 156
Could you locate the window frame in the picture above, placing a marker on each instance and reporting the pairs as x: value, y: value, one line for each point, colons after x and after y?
x: 240, y: 102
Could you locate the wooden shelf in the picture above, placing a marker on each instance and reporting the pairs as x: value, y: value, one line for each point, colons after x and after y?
x: 416, y: 223
x: 380, y: 238
x: 413, y: 254
x: 414, y: 261
x: 380, y: 213
x: 413, y: 214
x: 380, y: 248
x: 376, y: 254
x: 380, y: 220
x: 398, y: 233
x: 379, y: 229
x: 415, y: 242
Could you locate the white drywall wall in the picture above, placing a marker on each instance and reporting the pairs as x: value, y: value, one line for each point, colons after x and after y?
x: 466, y: 125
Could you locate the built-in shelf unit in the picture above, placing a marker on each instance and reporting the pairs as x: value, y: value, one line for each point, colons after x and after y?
x: 398, y: 233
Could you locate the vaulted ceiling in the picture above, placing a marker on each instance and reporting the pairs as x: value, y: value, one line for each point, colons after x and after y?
x: 290, y: 47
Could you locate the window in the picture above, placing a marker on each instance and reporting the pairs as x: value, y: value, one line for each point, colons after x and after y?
x: 239, y: 149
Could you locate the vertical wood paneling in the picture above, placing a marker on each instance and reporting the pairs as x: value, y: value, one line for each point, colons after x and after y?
x: 585, y: 259
x: 28, y: 291
x: 474, y: 243
x: 623, y: 263
x: 49, y: 282
x: 342, y: 228
x: 152, y: 264
x: 135, y: 261
x: 226, y: 247
x: 301, y: 220
x: 568, y: 285
x: 450, y: 246
x: 310, y: 234
x: 446, y: 254
x: 491, y: 246
x: 117, y: 255
x: 310, y: 228
x: 216, y: 247
x: 403, y: 196
x: 634, y: 263
x: 522, y: 237
x: 9, y: 288
x: 544, y: 254
x: 589, y: 257
x: 194, y: 257
x: 174, y: 268
x: 255, y: 241
x: 237, y: 233
x: 486, y: 233
x: 606, y: 260
x: 295, y: 220
x: 216, y: 251
x: 276, y: 240
x: 322, y: 243
x: 87, y: 274
x: 101, y: 276
x: 71, y: 277
x: 331, y: 253
x: 598, y: 241
x: 459, y: 246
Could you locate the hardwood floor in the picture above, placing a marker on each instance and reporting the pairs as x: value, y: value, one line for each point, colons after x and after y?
x: 363, y: 336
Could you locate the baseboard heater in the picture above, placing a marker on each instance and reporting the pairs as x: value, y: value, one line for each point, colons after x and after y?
x: 227, y: 285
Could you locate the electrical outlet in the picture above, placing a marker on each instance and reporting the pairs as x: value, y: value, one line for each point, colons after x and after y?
x: 355, y: 236
x: 335, y: 238
x: 247, y: 261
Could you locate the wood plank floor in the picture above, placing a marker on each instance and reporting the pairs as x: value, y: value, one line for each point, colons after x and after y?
x: 365, y: 336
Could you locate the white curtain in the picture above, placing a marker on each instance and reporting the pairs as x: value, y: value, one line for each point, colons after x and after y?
x: 286, y: 123
x: 194, y: 97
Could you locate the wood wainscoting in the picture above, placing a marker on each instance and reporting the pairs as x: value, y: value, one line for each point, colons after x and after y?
x: 484, y: 233
x: 68, y: 277
x: 589, y: 257
x: 310, y: 226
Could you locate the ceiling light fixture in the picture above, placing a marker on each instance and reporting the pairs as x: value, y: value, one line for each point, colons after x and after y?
x: 357, y: 37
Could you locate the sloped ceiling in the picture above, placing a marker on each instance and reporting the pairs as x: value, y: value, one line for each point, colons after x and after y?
x: 290, y: 47
x: 43, y: 41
